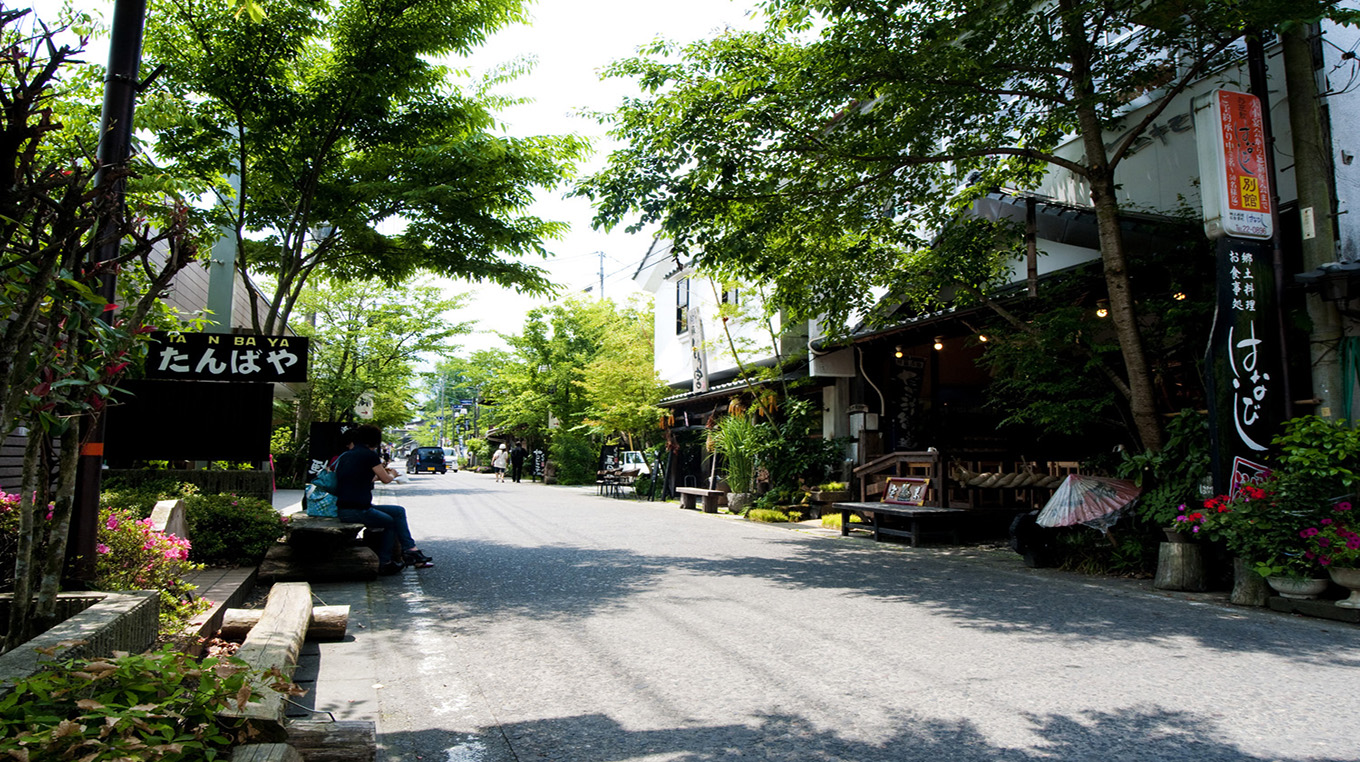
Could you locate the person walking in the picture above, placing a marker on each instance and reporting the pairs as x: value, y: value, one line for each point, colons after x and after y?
x: 517, y: 454
x: 355, y: 472
x: 498, y: 462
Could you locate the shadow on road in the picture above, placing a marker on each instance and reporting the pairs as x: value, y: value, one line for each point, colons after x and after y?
x: 563, y: 581
x: 1145, y: 735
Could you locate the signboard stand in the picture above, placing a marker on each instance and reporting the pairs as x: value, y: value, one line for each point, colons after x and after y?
x: 1245, y: 374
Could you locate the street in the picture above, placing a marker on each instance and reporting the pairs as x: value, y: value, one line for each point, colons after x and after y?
x: 560, y: 625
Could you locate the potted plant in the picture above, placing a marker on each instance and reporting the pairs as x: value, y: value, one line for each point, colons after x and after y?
x: 831, y: 492
x: 1336, y: 547
x: 736, y: 439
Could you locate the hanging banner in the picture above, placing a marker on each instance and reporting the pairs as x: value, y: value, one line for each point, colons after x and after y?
x: 226, y: 357
x: 697, y: 351
x: 1242, y: 363
x: 1234, y: 172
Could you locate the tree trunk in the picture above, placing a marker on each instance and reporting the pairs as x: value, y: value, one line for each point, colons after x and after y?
x: 1100, y: 179
x: 63, y: 506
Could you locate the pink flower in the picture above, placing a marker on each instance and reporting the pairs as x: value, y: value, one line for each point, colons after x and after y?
x: 112, y: 523
x: 102, y: 549
x: 1343, y: 506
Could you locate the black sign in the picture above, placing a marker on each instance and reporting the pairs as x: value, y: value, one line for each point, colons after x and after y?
x: 226, y: 357
x: 190, y: 420
x: 1244, y: 374
x: 538, y: 463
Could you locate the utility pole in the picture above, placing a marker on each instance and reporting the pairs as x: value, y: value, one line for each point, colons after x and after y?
x: 1312, y: 177
x: 115, y: 129
x: 601, y: 253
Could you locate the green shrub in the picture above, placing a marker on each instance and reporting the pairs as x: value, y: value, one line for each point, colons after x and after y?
x: 132, y: 555
x: 575, y: 456
x: 228, y: 530
x: 767, y: 515
x: 157, y: 706
x: 834, y: 520
x: 141, y: 498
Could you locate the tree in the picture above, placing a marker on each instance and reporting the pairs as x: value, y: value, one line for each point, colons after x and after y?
x: 367, y: 340
x: 63, y: 346
x: 824, y: 153
x: 352, y: 153
x: 585, y: 363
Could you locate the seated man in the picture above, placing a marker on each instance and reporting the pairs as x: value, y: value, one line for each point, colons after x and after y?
x: 355, y: 471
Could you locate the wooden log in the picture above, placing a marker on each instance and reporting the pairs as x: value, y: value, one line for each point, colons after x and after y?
x: 1249, y: 588
x: 343, y: 741
x: 266, y: 752
x: 284, y: 563
x: 274, y: 643
x: 1180, y: 566
x: 328, y: 623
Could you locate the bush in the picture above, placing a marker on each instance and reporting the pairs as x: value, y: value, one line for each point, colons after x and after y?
x: 157, y: 706
x: 132, y: 555
x: 767, y: 515
x: 142, y: 498
x: 575, y: 456
x: 228, y: 530
x: 833, y: 520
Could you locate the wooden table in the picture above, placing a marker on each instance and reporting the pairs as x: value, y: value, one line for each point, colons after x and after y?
x: 916, y: 514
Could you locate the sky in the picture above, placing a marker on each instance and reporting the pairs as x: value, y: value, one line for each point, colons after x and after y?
x: 572, y: 40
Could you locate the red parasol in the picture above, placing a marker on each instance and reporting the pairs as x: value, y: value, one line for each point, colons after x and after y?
x: 1092, y: 500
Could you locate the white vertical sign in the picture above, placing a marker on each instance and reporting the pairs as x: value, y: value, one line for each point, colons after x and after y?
x: 696, y: 348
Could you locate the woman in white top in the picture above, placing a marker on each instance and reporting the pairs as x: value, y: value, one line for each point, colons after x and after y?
x: 498, y: 462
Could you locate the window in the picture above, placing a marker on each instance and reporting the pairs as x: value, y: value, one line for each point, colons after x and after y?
x: 730, y: 295
x: 681, y: 306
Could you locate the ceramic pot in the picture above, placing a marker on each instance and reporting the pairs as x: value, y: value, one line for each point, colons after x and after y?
x: 1298, y: 589
x: 1349, y: 579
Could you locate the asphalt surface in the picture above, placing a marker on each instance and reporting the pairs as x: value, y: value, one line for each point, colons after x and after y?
x: 559, y: 625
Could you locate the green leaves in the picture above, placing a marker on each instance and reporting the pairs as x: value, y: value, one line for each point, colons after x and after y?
x: 356, y: 154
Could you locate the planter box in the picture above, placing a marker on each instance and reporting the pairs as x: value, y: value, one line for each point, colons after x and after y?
x: 103, y: 623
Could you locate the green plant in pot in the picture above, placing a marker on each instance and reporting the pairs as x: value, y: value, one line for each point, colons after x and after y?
x: 736, y: 438
x: 1264, y: 524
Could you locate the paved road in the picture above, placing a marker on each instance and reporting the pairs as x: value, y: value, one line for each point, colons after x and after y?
x: 563, y: 626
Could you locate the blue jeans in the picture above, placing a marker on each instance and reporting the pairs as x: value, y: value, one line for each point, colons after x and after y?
x: 391, y: 518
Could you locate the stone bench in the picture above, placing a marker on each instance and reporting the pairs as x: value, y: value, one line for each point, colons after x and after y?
x: 689, y: 496
x: 318, y: 549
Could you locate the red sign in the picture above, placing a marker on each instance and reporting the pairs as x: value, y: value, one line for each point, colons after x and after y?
x: 1244, y: 152
x: 1232, y: 149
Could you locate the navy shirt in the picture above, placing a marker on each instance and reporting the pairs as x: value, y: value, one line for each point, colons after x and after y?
x: 354, y: 472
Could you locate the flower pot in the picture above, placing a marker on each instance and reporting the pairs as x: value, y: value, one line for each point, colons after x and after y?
x: 1298, y: 589
x: 828, y: 496
x: 1176, y: 535
x: 1349, y: 579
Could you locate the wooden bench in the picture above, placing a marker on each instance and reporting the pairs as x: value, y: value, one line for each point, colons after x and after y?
x: 690, y: 495
x: 916, y: 514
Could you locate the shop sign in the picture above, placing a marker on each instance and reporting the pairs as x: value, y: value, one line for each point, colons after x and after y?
x: 1234, y: 173
x: 226, y: 357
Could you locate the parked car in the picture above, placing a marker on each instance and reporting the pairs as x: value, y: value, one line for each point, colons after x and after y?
x: 633, y: 463
x: 429, y: 459
x: 451, y: 458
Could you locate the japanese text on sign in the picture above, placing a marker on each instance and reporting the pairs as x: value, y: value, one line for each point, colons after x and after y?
x: 227, y: 357
x: 1250, y: 381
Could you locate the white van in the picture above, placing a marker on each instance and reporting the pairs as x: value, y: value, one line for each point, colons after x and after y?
x: 633, y: 463
x: 451, y: 458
